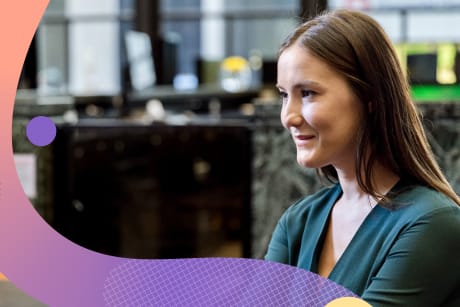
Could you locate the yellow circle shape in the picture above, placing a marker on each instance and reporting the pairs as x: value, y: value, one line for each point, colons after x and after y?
x: 348, y: 302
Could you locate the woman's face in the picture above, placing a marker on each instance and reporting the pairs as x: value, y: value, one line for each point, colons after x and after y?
x: 319, y: 109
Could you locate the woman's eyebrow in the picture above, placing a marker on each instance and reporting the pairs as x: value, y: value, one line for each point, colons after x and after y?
x: 302, y: 84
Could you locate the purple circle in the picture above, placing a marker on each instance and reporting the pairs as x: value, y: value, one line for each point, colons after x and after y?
x: 41, y: 131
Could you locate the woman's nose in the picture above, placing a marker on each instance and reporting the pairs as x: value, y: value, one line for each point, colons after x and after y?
x: 291, y: 114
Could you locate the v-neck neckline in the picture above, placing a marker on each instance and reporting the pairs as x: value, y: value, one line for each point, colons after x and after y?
x: 350, y: 245
x: 320, y: 240
x: 321, y: 235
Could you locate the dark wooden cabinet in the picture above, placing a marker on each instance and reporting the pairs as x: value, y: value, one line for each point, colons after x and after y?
x: 156, y: 191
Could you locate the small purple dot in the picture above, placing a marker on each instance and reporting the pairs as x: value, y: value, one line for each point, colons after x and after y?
x: 41, y: 131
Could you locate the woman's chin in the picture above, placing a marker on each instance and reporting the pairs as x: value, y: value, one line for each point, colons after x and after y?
x: 308, y: 163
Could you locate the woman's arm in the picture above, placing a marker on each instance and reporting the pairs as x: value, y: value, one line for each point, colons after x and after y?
x: 423, y: 266
x: 278, y: 249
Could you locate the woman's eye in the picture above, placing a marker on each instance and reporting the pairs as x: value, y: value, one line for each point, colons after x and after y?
x: 283, y: 95
x: 307, y: 93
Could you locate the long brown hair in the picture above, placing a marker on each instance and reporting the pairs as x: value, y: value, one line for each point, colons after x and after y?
x: 392, y: 132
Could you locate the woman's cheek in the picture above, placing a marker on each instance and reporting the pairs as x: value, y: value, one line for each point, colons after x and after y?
x: 313, y: 116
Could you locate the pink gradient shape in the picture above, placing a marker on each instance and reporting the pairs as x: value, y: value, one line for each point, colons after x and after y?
x: 34, y: 257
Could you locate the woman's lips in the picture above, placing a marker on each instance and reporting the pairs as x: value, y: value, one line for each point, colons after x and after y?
x: 303, y: 138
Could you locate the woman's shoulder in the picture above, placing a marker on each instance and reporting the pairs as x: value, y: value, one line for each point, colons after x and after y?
x: 315, y: 202
x: 423, y: 196
x: 418, y: 201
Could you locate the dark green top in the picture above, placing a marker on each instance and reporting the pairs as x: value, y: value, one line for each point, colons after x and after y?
x: 408, y: 255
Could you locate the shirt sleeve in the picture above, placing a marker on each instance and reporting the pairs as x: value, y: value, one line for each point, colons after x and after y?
x: 423, y: 266
x: 278, y: 249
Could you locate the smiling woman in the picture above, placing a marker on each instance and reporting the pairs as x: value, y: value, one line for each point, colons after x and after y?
x: 346, y: 103
x: 310, y: 90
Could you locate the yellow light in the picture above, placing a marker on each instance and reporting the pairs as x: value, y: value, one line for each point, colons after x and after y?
x: 446, y: 60
x: 234, y: 63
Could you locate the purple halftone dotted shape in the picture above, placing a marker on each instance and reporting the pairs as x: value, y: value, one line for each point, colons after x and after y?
x: 41, y: 131
x: 217, y: 282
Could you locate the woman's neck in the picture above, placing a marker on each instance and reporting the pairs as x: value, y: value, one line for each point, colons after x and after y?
x: 383, y: 180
